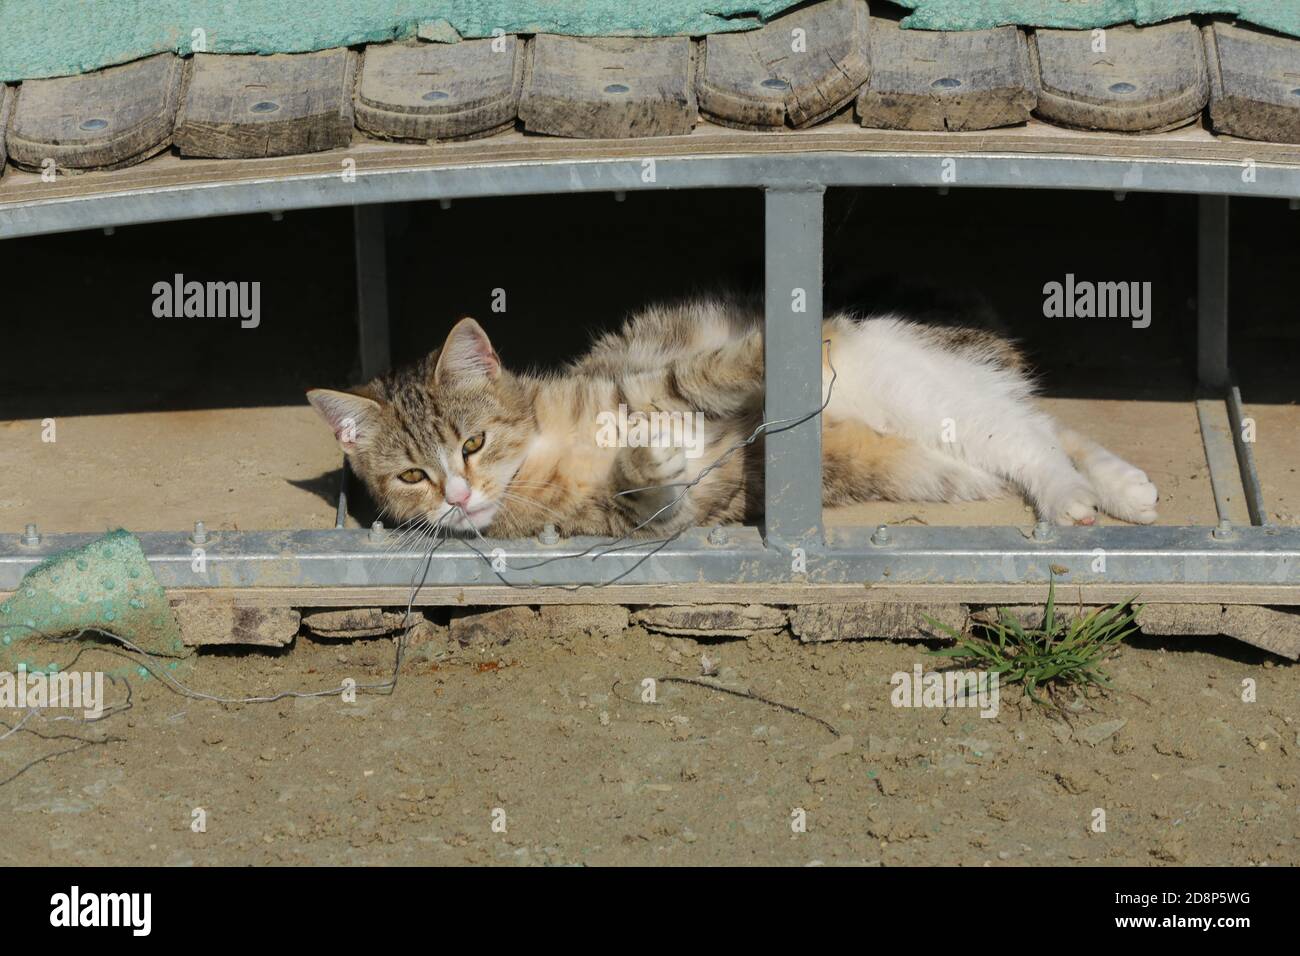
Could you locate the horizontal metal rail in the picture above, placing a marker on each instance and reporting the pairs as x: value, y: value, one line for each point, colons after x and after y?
x: 784, y: 171
x: 1110, y: 555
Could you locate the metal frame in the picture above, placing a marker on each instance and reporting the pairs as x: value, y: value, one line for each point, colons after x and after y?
x: 131, y: 206
x: 912, y: 556
x: 792, y: 547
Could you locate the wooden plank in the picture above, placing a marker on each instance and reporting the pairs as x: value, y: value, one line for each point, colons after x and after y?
x: 1254, y: 83
x: 1189, y: 144
x: 1125, y: 78
x: 112, y: 118
x: 946, y: 81
x: 440, y: 91
x: 609, y: 87
x: 775, y: 594
x: 798, y: 69
x: 242, y: 107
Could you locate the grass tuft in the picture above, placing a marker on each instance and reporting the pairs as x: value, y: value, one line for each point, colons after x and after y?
x: 1057, y: 654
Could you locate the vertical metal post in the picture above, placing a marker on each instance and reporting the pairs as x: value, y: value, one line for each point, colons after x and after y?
x: 372, y: 289
x: 1212, y: 294
x: 793, y: 357
x: 371, y: 244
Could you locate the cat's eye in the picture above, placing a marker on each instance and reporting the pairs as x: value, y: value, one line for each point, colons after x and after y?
x: 472, y: 444
x: 413, y: 476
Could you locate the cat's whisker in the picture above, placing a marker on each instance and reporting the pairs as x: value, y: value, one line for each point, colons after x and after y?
x: 532, y: 502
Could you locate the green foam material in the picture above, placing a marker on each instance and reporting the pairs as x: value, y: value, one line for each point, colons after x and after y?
x: 106, y: 584
x: 1280, y: 15
x: 65, y: 37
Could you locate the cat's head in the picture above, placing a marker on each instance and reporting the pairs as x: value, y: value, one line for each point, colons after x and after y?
x: 439, y: 440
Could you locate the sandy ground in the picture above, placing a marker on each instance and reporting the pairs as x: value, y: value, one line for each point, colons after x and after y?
x: 550, y: 740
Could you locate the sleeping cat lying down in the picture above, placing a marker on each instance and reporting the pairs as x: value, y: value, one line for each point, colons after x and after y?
x: 916, y: 413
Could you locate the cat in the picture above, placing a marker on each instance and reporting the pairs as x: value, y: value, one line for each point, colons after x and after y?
x: 916, y: 412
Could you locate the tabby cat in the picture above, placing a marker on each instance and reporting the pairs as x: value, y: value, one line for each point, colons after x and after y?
x: 916, y: 413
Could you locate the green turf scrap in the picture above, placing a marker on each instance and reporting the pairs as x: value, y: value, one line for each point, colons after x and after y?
x: 106, y: 585
x: 1280, y: 15
x: 65, y: 37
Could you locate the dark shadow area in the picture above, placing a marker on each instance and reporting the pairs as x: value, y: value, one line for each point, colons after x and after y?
x: 543, y: 274
x: 1227, y: 648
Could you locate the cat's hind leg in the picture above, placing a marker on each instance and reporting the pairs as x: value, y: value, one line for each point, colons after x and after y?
x: 861, y: 464
x: 1124, y: 491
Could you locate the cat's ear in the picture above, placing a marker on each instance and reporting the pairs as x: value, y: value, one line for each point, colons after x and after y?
x: 466, y: 355
x: 353, y: 417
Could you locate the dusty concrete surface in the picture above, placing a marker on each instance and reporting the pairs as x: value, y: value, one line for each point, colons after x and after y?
x: 1277, y: 458
x: 553, y: 734
x: 233, y: 468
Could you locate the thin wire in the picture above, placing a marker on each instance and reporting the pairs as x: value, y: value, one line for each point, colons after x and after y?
x: 386, y: 687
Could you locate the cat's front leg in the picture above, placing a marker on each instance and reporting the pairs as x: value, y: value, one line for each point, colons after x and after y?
x: 650, y: 473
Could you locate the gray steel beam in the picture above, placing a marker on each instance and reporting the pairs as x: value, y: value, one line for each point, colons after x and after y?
x: 129, y: 205
x: 1221, y: 458
x: 1246, y: 460
x: 792, y: 348
x: 1212, y: 293
x: 1112, y: 555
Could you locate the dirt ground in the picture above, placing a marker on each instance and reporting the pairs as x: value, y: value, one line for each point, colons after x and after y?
x: 550, y: 741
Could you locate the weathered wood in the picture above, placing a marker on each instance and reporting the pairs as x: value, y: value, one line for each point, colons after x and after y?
x: 1272, y: 629
x: 6, y: 106
x: 440, y: 91
x: 1125, y: 78
x: 770, y: 594
x: 798, y: 69
x: 609, y: 87
x: 888, y: 620
x: 712, y: 620
x: 242, y: 107
x: 208, y: 625
x: 104, y: 120
x: 955, y: 81
x: 1254, y: 83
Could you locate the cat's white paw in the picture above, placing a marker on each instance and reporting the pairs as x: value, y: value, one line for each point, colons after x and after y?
x: 1132, y: 496
x: 1074, y: 504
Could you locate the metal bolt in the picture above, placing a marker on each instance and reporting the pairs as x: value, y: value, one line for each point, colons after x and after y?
x: 619, y: 195
x: 1042, y: 531
x: 31, y: 537
x: 200, y: 535
x: 943, y: 190
x: 1120, y: 195
x: 444, y: 203
x: 377, y: 531
x: 277, y: 216
x: 717, y: 536
x: 549, y: 535
x: 1224, y: 530
x: 109, y: 230
x: 881, y: 535
x: 1295, y: 203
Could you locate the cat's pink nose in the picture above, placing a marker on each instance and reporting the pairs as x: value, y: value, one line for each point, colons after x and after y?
x: 457, y: 491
